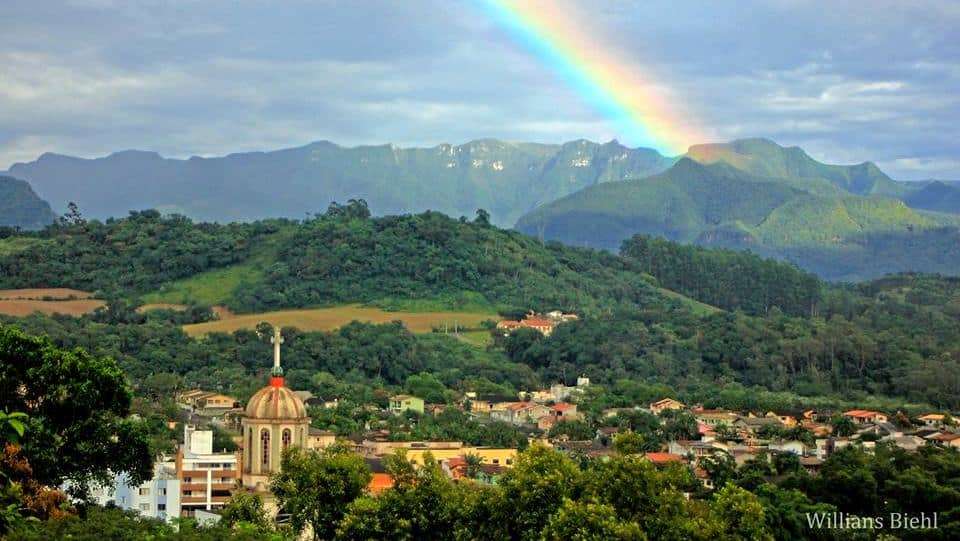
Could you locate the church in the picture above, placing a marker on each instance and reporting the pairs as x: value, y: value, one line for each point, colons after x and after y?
x: 274, y: 420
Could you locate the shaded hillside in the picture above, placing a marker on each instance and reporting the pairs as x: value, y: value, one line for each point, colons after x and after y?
x: 826, y: 230
x: 21, y: 207
x: 507, y: 179
x: 936, y: 195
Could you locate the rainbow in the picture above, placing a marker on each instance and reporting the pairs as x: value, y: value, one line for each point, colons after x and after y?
x: 635, y: 106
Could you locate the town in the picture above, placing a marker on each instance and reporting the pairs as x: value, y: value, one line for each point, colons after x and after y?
x: 199, y: 480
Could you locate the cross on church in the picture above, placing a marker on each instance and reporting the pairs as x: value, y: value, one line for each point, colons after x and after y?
x: 276, y: 340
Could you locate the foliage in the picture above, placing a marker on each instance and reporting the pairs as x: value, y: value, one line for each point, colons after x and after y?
x: 77, y: 405
x: 316, y: 487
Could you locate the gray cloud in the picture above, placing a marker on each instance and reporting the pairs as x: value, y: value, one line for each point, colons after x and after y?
x: 849, y: 81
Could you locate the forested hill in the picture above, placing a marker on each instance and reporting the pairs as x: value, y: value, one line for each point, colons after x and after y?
x: 507, y: 179
x: 21, y: 207
x: 343, y: 255
x: 777, y: 327
x: 813, y: 222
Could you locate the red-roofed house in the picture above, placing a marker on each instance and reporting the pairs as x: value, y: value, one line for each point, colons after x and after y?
x: 564, y: 411
x: 661, y: 459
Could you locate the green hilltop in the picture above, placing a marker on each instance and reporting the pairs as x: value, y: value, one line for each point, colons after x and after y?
x: 21, y: 207
x: 841, y: 222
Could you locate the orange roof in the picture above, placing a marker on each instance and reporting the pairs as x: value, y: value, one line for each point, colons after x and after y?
x: 861, y: 413
x: 538, y: 322
x: 380, y: 482
x: 663, y: 458
x: 561, y: 406
x: 664, y: 401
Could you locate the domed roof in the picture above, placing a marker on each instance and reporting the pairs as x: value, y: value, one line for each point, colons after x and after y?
x: 276, y: 403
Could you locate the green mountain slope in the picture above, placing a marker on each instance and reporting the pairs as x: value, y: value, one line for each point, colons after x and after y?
x: 763, y: 157
x: 829, y: 231
x: 21, y: 207
x: 507, y: 179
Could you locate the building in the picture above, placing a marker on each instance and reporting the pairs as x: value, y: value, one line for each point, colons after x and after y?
x: 206, y: 478
x: 404, y: 402
x: 660, y: 406
x: 157, y: 498
x: 934, y: 420
x: 488, y: 455
x: 713, y: 418
x: 564, y: 411
x: 520, y: 413
x: 195, y: 479
x: 865, y: 416
x: 274, y: 420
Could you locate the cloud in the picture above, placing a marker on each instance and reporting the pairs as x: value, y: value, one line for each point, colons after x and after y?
x: 855, y: 82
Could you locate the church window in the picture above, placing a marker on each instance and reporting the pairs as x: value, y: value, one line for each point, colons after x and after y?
x: 286, y: 438
x: 265, y: 444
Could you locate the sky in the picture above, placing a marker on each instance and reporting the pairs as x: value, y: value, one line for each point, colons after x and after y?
x: 848, y: 81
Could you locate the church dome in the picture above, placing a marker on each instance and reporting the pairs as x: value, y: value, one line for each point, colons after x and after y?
x: 276, y: 403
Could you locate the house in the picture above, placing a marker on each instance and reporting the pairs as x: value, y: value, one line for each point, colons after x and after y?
x: 715, y: 417
x: 907, y: 443
x: 662, y: 405
x: 932, y: 419
x: 520, y: 413
x: 479, y: 405
x: 791, y: 446
x: 788, y: 420
x: 697, y: 449
x: 946, y: 439
x: 404, y: 402
x: 865, y: 416
x: 663, y: 459
x: 320, y: 439
x: 811, y: 463
x: 487, y: 455
x: 564, y: 411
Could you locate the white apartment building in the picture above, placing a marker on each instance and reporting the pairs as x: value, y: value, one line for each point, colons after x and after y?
x: 195, y: 479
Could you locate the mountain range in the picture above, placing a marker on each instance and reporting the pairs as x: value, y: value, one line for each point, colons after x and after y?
x: 506, y: 179
x: 844, y: 222
x: 21, y: 207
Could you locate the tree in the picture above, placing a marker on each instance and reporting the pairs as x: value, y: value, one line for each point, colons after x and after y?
x: 245, y: 508
x: 628, y: 443
x: 77, y: 405
x: 843, y: 425
x: 741, y: 514
x: 581, y: 521
x: 316, y: 487
x: 483, y: 218
x: 535, y: 488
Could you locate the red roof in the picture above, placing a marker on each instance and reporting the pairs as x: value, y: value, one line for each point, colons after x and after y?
x: 380, y: 482
x: 562, y: 406
x: 537, y: 322
x: 663, y: 458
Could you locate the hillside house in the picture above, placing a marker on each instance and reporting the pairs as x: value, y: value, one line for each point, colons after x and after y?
x: 564, y: 411
x: 865, y: 416
x: 933, y: 420
x: 404, y: 402
x: 662, y: 405
x: 520, y: 413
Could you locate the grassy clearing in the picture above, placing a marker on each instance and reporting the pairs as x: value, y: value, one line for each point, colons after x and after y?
x: 698, y: 308
x: 325, y: 319
x: 480, y: 339
x: 161, y: 306
x: 217, y: 286
x: 208, y: 288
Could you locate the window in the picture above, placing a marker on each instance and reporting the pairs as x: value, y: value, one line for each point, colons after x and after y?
x: 248, y: 452
x: 188, y: 479
x: 144, y: 491
x: 265, y: 448
x: 162, y: 491
x: 286, y: 438
x: 161, y: 507
x: 144, y: 506
x: 496, y: 461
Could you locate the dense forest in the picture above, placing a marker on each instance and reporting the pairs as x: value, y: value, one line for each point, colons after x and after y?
x: 774, y: 327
